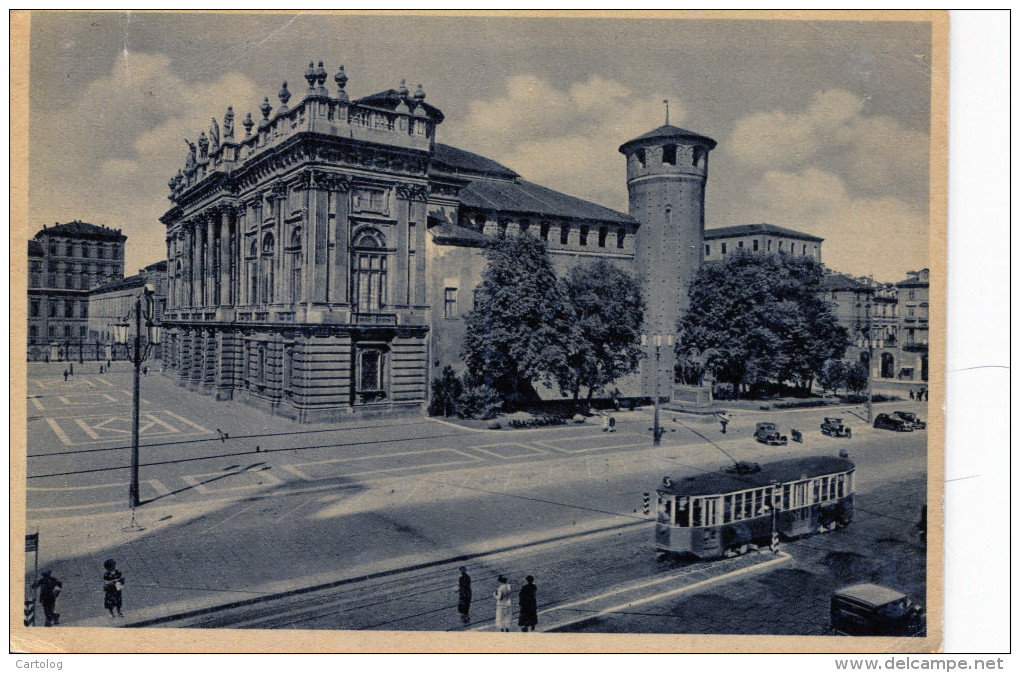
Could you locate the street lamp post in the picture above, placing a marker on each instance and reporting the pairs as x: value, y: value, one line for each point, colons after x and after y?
x: 137, y: 355
x: 871, y: 351
x: 657, y: 340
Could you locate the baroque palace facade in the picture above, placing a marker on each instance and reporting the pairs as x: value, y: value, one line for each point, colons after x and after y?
x: 321, y: 263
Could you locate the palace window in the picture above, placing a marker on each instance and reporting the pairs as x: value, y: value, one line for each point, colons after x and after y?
x: 450, y: 303
x: 296, y: 261
x: 33, y: 333
x: 268, y: 248
x: 33, y: 308
x: 69, y: 249
x: 53, y: 247
x: 369, y: 272
x: 371, y: 373
x: 68, y: 309
x: 51, y: 331
x: 52, y: 308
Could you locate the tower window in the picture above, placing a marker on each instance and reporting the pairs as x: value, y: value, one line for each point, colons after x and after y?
x: 740, y: 244
x: 696, y: 155
x: 754, y: 245
x: 722, y: 248
x: 620, y: 235
x: 564, y: 234
x: 525, y: 225
x: 803, y: 250
x: 603, y: 231
x: 768, y: 245
x: 669, y: 155
x: 708, y: 249
x: 640, y: 154
x: 502, y: 227
x: 584, y: 236
x: 543, y: 231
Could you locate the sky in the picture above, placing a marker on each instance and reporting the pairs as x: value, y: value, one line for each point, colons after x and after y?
x: 823, y: 126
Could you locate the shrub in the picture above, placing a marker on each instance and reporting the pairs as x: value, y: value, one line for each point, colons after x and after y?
x: 796, y: 404
x: 446, y: 392
x: 479, y: 402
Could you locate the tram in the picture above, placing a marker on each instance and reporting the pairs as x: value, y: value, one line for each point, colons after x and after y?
x: 714, y: 514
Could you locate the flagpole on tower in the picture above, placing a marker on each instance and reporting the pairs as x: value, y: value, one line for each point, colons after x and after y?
x: 666, y: 103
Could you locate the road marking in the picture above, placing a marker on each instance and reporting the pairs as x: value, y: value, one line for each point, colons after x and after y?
x: 295, y: 509
x: 223, y: 521
x: 530, y: 450
x: 155, y: 420
x: 467, y: 458
x: 105, y: 382
x: 156, y: 485
x: 59, y: 432
x: 36, y: 402
x: 196, y: 480
x: 184, y: 420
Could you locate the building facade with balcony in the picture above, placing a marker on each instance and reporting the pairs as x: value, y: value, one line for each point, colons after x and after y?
x: 113, y: 304
x: 321, y: 261
x: 65, y: 262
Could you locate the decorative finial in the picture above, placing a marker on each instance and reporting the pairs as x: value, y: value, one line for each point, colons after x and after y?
x: 341, y: 82
x: 284, y: 96
x: 310, y: 75
x: 419, y: 94
x: 248, y: 123
x: 266, y: 109
x: 666, y: 103
x: 320, y: 76
x: 402, y: 91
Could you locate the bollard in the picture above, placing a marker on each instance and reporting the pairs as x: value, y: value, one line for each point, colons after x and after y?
x: 645, y: 503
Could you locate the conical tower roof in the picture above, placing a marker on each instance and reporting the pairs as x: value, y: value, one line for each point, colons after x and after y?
x: 669, y: 132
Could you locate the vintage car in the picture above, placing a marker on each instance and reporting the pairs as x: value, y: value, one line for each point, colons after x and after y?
x: 875, y: 610
x: 893, y: 422
x: 833, y: 427
x: 768, y: 433
x: 911, y: 418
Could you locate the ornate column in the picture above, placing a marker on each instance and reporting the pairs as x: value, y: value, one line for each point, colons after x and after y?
x: 410, y: 267
x: 210, y: 257
x: 339, y: 279
x: 278, y: 193
x: 193, y: 251
x: 223, y: 255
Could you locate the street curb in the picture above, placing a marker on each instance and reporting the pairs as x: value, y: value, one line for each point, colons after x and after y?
x: 168, y: 619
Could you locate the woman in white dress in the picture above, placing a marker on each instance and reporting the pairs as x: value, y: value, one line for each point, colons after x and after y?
x: 504, y: 605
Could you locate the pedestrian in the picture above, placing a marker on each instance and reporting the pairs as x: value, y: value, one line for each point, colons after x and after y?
x: 912, y: 393
x: 605, y: 421
x: 723, y: 421
x: 464, y: 596
x: 145, y: 370
x: 113, y: 585
x: 528, y: 604
x: 65, y: 374
x: 504, y: 605
x: 72, y: 369
x: 108, y: 363
x: 100, y: 369
x: 49, y: 588
x: 612, y: 424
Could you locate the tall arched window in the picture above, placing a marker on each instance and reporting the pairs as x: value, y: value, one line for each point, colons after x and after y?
x: 368, y: 279
x: 268, y: 248
x: 295, y: 259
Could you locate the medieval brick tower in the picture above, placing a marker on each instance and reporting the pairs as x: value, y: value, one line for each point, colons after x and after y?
x: 666, y: 173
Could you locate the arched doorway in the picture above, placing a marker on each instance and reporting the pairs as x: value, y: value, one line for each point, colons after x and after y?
x: 888, y: 366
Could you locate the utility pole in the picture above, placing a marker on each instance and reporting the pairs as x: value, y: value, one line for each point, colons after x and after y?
x: 871, y: 351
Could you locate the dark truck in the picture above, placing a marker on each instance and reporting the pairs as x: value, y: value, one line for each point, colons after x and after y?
x: 875, y: 610
x: 768, y: 433
x: 911, y: 418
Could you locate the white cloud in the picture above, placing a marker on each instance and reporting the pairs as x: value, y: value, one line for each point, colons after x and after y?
x: 878, y: 236
x: 563, y: 138
x: 107, y: 157
x: 873, y: 155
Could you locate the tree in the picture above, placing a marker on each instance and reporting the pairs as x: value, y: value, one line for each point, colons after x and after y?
x: 608, y: 310
x: 833, y: 375
x: 857, y: 377
x: 521, y: 327
x: 765, y: 316
x: 446, y: 392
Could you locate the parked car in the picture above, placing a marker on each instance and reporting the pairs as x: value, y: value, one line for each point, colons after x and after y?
x: 875, y: 610
x: 833, y: 427
x: 911, y: 417
x: 768, y: 433
x: 893, y: 422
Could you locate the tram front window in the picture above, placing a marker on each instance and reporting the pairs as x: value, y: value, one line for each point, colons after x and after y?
x: 665, y: 510
x: 682, y: 512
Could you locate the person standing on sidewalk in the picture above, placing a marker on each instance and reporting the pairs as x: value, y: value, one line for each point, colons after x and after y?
x: 65, y: 375
x: 527, y: 602
x: 464, y: 596
x: 113, y: 585
x: 49, y: 588
x: 504, y: 605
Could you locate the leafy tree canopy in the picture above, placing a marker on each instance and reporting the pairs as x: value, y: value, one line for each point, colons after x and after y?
x: 521, y: 327
x: 608, y: 310
x: 764, y: 316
